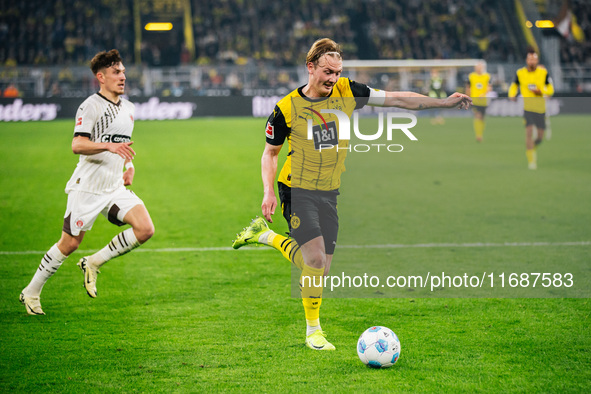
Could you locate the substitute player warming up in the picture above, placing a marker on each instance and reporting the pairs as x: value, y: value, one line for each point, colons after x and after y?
x: 102, y: 138
x: 310, y: 179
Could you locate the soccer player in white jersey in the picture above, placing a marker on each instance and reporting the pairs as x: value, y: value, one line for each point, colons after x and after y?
x: 102, y: 138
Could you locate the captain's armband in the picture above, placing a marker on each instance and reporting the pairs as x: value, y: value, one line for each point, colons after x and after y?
x: 377, y: 98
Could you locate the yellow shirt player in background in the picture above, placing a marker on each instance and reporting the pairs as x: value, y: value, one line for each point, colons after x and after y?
x: 310, y: 179
x: 534, y: 83
x: 477, y: 88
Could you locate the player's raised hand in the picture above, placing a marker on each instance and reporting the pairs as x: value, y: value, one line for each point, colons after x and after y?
x: 458, y: 100
x: 122, y: 149
x: 268, y: 206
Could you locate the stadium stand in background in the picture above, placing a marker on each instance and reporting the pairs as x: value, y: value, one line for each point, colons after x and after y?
x: 243, y: 46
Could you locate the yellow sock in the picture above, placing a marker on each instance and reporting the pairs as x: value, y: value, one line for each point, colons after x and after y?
x: 289, y: 248
x: 531, y: 155
x: 311, y: 285
x: 312, y: 310
x: 479, y: 128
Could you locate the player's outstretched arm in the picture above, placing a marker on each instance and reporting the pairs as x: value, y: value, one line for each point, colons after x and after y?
x: 84, y: 146
x: 416, y: 101
x: 268, y: 172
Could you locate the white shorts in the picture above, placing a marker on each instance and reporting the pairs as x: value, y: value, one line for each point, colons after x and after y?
x: 83, y: 208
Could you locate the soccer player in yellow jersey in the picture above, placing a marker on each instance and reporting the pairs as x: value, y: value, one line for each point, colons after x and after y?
x: 309, y: 181
x: 535, y: 84
x: 478, y: 87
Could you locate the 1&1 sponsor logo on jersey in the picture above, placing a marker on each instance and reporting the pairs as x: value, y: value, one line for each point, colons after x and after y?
x: 344, y: 123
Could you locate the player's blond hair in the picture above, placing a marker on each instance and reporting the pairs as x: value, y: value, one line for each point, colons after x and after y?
x: 322, y: 47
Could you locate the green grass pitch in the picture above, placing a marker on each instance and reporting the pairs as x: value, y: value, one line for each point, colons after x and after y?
x: 174, y: 316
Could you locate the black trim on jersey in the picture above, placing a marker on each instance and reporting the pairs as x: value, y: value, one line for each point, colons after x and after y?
x: 361, y: 93
x: 117, y: 104
x: 359, y: 89
x: 88, y: 135
x: 280, y: 129
x: 313, y: 99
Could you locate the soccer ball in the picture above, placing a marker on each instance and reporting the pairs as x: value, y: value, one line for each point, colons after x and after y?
x: 378, y: 347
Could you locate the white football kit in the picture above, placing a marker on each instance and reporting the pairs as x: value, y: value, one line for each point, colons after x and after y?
x: 96, y: 186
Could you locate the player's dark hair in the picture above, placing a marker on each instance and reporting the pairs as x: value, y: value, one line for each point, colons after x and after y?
x: 322, y: 47
x: 104, y: 60
x: 531, y: 49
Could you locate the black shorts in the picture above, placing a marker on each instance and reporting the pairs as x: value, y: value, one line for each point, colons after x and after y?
x: 479, y: 108
x: 536, y: 119
x: 310, y: 214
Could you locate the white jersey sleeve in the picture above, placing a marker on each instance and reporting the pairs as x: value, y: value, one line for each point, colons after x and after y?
x: 86, y: 117
x: 101, y: 120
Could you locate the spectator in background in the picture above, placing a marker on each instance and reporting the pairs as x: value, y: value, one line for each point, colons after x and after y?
x: 11, y: 91
x: 176, y: 89
x: 55, y: 90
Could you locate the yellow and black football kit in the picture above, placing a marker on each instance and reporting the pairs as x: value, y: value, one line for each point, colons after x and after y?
x: 478, y: 89
x: 310, y: 178
x: 534, y: 105
x: 479, y: 84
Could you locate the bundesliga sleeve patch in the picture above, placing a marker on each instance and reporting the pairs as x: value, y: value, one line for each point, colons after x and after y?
x: 79, y: 121
x: 270, y: 131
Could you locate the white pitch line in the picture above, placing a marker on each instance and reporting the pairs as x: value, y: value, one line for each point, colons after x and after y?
x: 464, y: 245
x: 385, y: 246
